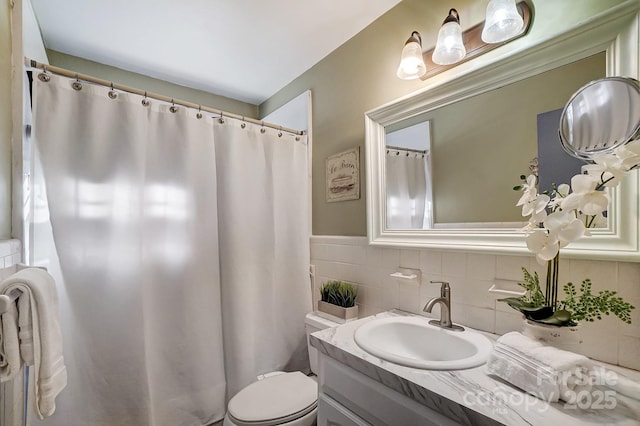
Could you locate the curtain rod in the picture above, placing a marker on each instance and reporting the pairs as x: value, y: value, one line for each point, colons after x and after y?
x: 66, y: 73
x: 399, y: 148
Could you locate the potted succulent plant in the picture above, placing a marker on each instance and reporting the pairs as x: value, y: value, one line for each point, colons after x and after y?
x: 556, y: 219
x: 338, y: 301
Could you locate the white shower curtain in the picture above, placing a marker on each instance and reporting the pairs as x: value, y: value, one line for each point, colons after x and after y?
x: 408, y: 181
x: 133, y: 209
x: 135, y: 199
x: 264, y: 256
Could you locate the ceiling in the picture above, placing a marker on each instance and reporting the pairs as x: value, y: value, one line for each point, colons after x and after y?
x: 241, y: 49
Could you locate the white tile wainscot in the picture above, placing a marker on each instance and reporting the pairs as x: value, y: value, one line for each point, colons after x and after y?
x: 468, y: 397
x: 9, y: 257
x: 471, y: 275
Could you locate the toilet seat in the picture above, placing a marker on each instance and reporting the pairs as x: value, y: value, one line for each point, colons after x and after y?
x: 274, y: 400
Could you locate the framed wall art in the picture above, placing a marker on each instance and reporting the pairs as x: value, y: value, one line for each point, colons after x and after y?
x: 343, y: 176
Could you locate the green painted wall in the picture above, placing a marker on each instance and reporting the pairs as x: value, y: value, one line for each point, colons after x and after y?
x: 361, y: 75
x: 150, y: 84
x: 483, y: 144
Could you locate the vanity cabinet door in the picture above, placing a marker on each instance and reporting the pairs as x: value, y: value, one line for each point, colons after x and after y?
x: 331, y: 413
x: 370, y: 401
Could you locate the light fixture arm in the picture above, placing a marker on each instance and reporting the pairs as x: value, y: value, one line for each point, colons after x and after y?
x: 415, y: 37
x: 451, y: 17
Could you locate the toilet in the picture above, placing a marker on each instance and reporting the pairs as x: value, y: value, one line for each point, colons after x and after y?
x: 289, y: 399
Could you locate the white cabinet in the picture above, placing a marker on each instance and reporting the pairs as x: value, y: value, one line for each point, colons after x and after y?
x: 349, y: 398
x: 331, y: 413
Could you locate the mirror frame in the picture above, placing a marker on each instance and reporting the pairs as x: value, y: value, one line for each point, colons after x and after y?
x: 615, y: 32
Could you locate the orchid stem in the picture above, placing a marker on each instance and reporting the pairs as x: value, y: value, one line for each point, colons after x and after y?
x: 547, y: 293
x: 551, y: 290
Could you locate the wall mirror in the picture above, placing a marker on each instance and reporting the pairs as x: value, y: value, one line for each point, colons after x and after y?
x: 483, y: 130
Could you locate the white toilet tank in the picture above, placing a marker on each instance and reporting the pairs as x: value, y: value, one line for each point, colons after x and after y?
x: 315, y: 323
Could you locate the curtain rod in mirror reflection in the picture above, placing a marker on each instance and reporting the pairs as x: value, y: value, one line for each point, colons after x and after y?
x: 505, y: 22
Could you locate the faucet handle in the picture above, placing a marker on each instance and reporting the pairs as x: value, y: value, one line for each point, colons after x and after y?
x: 445, y: 289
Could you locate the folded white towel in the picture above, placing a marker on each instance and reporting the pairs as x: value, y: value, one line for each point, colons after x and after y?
x: 40, y: 339
x: 617, y: 382
x: 543, y: 371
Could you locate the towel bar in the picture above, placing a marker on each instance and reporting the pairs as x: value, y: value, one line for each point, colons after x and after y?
x: 6, y: 300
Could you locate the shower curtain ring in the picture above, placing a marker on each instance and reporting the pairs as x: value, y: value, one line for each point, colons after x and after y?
x: 199, y: 114
x: 76, y: 84
x: 221, y: 119
x: 145, y: 101
x: 173, y: 108
x: 280, y: 132
x: 262, y: 129
x: 243, y: 125
x: 112, y: 93
x: 43, y: 76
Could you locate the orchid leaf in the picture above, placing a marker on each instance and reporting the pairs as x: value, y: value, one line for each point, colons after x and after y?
x: 516, y: 303
x: 560, y: 317
x: 538, y: 312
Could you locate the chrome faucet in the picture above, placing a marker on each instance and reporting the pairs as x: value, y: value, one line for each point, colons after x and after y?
x: 445, y: 307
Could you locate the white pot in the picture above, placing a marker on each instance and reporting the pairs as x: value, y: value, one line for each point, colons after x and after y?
x: 568, y: 338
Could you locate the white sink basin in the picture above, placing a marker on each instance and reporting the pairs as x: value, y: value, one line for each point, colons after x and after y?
x: 413, y: 342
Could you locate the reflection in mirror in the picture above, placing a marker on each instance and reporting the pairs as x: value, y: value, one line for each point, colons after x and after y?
x: 465, y: 186
x: 601, y: 116
x: 481, y: 145
x: 408, y: 166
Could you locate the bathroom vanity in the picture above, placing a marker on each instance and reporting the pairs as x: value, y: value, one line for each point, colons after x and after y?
x: 356, y: 388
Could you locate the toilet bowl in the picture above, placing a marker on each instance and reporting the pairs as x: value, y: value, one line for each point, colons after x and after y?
x: 289, y: 399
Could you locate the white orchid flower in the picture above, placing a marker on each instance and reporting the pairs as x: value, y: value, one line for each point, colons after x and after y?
x: 543, y: 244
x: 530, y: 227
x: 565, y: 226
x: 537, y: 217
x: 563, y: 190
x: 530, y: 191
x: 560, y: 193
x: 585, y: 197
x: 535, y: 206
x: 629, y: 154
x: 532, y: 181
x: 608, y: 169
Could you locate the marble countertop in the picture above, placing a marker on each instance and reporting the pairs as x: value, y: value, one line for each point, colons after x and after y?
x: 471, y: 396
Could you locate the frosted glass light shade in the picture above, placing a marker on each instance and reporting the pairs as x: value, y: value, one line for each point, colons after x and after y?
x: 502, y: 22
x: 449, y: 47
x: 411, y: 63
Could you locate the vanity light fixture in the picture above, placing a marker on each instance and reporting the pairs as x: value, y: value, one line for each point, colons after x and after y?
x: 502, y: 22
x: 411, y: 63
x: 449, y: 47
x: 502, y: 25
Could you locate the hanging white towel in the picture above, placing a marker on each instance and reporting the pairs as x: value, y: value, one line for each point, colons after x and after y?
x: 10, y: 361
x: 40, y: 339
